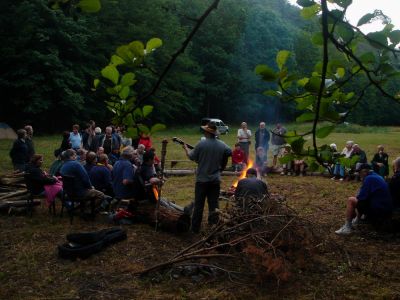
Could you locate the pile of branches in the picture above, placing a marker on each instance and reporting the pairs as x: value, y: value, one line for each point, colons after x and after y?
x: 256, y: 239
x: 13, y: 192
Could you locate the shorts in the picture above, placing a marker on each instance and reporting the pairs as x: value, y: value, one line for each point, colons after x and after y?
x: 276, y: 149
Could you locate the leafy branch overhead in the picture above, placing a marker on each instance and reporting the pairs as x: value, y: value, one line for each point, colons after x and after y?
x: 123, y: 102
x: 87, y: 6
x: 348, y: 55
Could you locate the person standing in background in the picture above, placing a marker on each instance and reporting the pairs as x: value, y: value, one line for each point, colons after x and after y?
x: 28, y: 140
x: 262, y: 137
x: 244, y: 135
x: 277, y: 142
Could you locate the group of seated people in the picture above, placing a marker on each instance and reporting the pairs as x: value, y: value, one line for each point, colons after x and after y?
x: 347, y: 162
x: 94, y: 178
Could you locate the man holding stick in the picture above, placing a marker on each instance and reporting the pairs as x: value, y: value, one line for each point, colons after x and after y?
x: 211, y: 155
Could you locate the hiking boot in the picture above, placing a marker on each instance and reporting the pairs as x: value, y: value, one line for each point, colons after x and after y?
x: 344, y: 230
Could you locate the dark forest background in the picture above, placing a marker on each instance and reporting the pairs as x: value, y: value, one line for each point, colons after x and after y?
x: 49, y: 60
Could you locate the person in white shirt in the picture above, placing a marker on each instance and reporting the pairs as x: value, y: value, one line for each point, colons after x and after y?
x: 339, y: 171
x: 244, y: 135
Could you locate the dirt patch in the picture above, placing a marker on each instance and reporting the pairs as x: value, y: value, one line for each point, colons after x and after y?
x: 364, y: 265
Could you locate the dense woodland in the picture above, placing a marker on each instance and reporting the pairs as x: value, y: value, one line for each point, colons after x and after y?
x: 50, y: 58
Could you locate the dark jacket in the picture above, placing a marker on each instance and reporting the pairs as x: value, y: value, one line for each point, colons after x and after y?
x: 36, y: 179
x: 265, y: 140
x: 394, y: 187
x: 251, y: 187
x: 362, y: 157
x: 31, y: 147
x: 19, y: 152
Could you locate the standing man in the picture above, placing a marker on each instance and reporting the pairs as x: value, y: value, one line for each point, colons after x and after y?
x: 28, y: 140
x: 19, y: 151
x: 277, y: 141
x: 262, y: 137
x: 244, y: 135
x: 75, y: 137
x: 211, y: 156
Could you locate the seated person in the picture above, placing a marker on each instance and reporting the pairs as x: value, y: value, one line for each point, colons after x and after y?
x: 56, y: 165
x: 91, y: 159
x: 145, y: 178
x: 100, y: 176
x: 261, y: 162
x: 140, y: 151
x: 83, y: 189
x: 123, y: 173
x: 373, y: 201
x: 380, y: 162
x: 339, y: 170
x: 81, y: 156
x: 394, y: 184
x: 251, y: 186
x: 238, y: 158
x: 287, y: 167
x: 39, y: 183
x: 299, y: 167
x: 362, y: 157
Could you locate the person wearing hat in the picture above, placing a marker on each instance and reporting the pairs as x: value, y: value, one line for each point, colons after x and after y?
x: 211, y: 156
x: 373, y: 201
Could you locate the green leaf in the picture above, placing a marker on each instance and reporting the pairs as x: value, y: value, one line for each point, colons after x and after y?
x: 287, y: 158
x: 153, y: 44
x: 318, y: 38
x: 132, y: 132
x: 137, y: 113
x: 147, y: 109
x: 305, y: 3
x: 96, y: 83
x: 89, y: 6
x: 143, y: 128
x: 302, y: 82
x: 282, y: 57
x: 124, y: 93
x: 367, y: 18
x: 266, y: 73
x: 324, y: 131
x: 307, y: 116
x: 343, y: 3
x: 367, y: 58
x: 394, y: 37
x: 272, y: 93
x: 128, y: 79
x: 125, y: 53
x: 116, y: 60
x: 298, y: 144
x: 345, y: 31
x: 313, y: 84
x: 157, y: 127
x: 340, y: 72
x: 137, y: 48
x: 378, y: 39
x: 110, y: 72
x: 310, y: 11
x: 303, y: 103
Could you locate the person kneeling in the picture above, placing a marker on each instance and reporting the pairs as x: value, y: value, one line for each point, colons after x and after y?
x: 373, y: 201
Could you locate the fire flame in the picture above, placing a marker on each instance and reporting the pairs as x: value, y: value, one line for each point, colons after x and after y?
x: 155, y: 192
x: 243, y: 174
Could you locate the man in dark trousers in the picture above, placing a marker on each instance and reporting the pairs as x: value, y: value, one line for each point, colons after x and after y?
x: 211, y: 155
x: 262, y: 137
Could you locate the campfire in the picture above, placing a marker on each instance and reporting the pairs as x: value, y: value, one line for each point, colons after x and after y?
x: 233, y: 187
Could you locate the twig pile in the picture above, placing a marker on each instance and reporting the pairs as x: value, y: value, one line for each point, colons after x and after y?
x: 255, y: 239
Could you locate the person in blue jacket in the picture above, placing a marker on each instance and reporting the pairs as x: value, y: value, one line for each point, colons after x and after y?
x: 373, y: 200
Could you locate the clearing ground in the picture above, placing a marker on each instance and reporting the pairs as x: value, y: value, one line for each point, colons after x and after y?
x: 362, y: 266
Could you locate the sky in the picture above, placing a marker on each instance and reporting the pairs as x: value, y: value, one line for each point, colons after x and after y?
x: 391, y: 8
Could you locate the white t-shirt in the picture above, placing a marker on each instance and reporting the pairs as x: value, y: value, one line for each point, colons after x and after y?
x: 244, y: 136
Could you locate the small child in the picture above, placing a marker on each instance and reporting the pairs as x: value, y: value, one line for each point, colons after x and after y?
x: 261, y: 162
x: 287, y: 167
x: 238, y: 158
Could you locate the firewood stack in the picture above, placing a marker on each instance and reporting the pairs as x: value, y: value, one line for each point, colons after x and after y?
x: 256, y: 239
x: 13, y: 192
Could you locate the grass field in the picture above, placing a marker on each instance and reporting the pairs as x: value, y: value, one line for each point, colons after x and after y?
x: 362, y: 266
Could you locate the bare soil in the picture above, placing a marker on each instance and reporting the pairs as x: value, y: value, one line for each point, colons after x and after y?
x: 364, y: 265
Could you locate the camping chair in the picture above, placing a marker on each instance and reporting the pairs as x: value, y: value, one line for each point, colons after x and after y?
x: 32, y: 197
x: 70, y: 198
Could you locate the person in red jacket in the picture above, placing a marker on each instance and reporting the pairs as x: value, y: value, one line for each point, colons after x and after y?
x: 238, y: 158
x: 145, y: 140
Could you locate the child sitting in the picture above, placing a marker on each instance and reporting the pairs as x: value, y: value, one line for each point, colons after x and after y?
x: 238, y: 158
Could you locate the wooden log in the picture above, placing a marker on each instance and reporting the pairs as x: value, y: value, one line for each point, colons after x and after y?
x: 13, y: 194
x: 4, y: 205
x: 171, y: 217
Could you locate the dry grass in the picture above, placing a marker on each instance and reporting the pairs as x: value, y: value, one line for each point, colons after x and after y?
x: 362, y: 266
